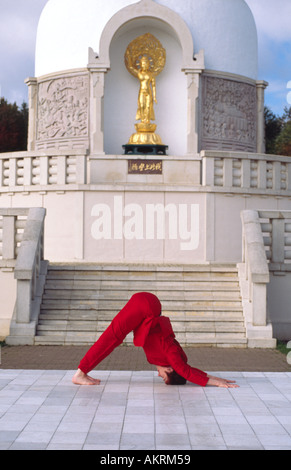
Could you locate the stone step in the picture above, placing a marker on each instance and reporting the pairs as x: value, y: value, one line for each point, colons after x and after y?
x: 109, y: 296
x: 141, y: 272
x: 199, y: 307
x: 185, y: 339
x: 88, y: 312
x: 62, y: 325
x: 95, y: 315
x: 138, y: 286
x: 141, y: 277
x: 143, y: 267
x: 203, y: 302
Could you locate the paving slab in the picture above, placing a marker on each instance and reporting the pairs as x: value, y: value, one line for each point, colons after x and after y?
x: 132, y: 409
x: 135, y: 410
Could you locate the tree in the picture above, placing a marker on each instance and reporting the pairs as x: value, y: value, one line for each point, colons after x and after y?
x: 13, y: 126
x: 283, y: 141
x: 278, y: 132
x: 273, y: 127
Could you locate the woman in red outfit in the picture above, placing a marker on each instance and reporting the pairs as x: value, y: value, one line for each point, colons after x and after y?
x: 152, y: 332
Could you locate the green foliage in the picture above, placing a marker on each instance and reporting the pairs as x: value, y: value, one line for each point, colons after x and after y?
x: 13, y: 126
x: 278, y: 132
x: 282, y: 347
x: 272, y: 129
x: 283, y: 141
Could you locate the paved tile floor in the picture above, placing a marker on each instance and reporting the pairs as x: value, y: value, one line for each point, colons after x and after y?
x: 42, y: 409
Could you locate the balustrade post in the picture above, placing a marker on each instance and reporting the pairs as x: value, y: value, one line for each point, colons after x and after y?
x: 246, y: 173
x: 207, y: 170
x: 277, y: 176
x: 278, y: 242
x: 43, y: 168
x: 262, y: 174
x: 23, y: 301
x: 8, y: 250
x: 81, y: 169
x: 259, y: 304
x: 227, y: 172
x: 12, y: 172
x: 61, y: 170
x: 27, y: 177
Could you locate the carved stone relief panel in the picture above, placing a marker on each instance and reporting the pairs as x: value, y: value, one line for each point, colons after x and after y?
x: 63, y: 108
x: 228, y: 115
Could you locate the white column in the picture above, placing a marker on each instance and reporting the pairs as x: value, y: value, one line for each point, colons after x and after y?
x: 193, y: 73
x: 32, y: 116
x: 261, y: 147
x: 97, y: 81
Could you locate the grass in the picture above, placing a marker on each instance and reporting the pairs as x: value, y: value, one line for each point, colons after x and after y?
x: 282, y: 347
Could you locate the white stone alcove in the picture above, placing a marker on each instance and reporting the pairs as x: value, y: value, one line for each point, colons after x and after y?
x: 121, y: 91
x: 115, y: 91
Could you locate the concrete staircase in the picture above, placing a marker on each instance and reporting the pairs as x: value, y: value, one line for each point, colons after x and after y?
x: 203, y: 302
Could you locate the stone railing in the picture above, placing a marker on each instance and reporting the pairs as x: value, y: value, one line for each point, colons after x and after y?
x: 31, y: 169
x: 29, y: 268
x: 254, y: 277
x: 236, y: 172
x: 276, y: 229
x: 12, y: 223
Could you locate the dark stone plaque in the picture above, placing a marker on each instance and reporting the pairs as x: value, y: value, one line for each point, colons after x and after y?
x: 145, y: 167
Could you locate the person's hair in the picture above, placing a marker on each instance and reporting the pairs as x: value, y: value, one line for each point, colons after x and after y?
x: 175, y: 379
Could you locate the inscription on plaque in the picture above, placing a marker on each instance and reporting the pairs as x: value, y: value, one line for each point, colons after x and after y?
x: 145, y: 167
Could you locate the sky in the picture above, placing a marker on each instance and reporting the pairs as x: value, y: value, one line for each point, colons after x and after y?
x: 18, y: 26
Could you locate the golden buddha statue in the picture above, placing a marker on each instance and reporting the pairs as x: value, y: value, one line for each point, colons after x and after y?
x: 145, y: 58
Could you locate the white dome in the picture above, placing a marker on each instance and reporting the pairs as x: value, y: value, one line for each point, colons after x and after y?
x: 225, y: 29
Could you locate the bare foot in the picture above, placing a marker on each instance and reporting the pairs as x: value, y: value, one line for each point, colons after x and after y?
x: 80, y: 378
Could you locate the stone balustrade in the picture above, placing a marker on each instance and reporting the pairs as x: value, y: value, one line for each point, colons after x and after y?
x: 234, y: 172
x: 31, y: 169
x: 276, y: 229
x: 12, y: 223
x: 238, y: 172
x: 254, y: 277
x: 29, y: 268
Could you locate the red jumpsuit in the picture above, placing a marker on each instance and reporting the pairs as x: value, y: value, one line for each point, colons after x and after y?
x: 152, y: 332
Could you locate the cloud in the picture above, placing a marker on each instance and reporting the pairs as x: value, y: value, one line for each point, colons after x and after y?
x: 19, y: 21
x: 274, y: 37
x: 17, y: 34
x: 272, y: 18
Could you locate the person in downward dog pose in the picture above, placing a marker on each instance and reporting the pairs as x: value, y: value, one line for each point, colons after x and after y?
x: 153, y: 332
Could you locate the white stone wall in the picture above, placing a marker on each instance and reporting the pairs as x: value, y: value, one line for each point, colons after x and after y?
x: 7, y: 300
x: 279, y: 301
